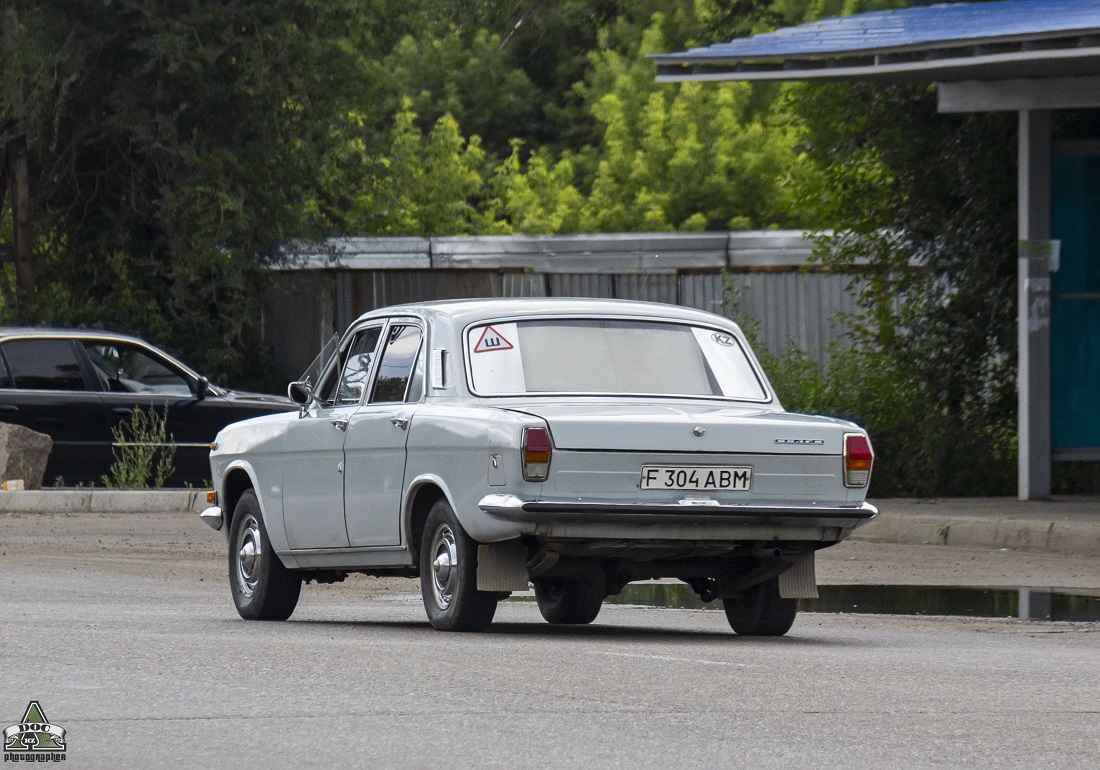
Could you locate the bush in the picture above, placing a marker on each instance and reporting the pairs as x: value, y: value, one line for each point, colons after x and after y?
x: 920, y: 450
x: 143, y: 451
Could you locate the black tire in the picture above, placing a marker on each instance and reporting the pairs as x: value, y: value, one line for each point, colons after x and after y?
x: 448, y: 575
x: 760, y: 611
x: 568, y: 602
x: 263, y: 589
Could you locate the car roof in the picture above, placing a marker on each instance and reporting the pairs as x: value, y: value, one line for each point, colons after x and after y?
x: 463, y: 311
x: 43, y: 332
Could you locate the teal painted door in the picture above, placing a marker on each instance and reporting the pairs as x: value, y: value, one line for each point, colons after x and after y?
x: 1075, y: 305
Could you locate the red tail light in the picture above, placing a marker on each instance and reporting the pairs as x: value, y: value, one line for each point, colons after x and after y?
x: 536, y: 454
x: 858, y: 457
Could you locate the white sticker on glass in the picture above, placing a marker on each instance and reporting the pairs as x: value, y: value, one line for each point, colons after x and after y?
x: 729, y: 365
x: 501, y: 372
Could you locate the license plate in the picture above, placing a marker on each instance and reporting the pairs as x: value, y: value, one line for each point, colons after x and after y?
x: 697, y: 477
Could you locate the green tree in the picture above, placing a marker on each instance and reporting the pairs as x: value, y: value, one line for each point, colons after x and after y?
x: 415, y: 184
x: 540, y: 198
x: 467, y: 76
x: 663, y: 157
x: 170, y: 151
x: 727, y: 19
x: 682, y: 156
x: 927, y: 202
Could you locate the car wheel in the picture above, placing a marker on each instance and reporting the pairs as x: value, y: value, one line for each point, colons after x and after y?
x: 448, y: 575
x: 761, y: 611
x: 263, y: 589
x: 568, y: 602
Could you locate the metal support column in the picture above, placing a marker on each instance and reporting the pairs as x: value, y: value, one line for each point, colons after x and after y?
x: 1033, y: 320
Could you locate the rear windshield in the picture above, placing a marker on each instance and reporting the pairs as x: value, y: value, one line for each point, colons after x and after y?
x: 604, y: 356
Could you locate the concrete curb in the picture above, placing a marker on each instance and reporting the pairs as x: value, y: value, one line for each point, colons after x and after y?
x: 1076, y: 538
x: 1064, y: 527
x: 103, y: 501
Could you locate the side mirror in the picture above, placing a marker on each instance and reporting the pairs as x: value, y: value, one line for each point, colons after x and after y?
x: 200, y: 387
x: 300, y: 393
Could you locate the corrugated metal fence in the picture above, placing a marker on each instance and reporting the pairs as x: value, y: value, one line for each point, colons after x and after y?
x: 758, y: 277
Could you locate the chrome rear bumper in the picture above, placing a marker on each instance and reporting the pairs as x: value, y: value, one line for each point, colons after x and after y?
x: 512, y: 508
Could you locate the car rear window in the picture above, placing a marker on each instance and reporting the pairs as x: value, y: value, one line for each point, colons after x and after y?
x: 609, y: 356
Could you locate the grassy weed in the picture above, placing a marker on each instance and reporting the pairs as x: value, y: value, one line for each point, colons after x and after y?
x: 144, y: 453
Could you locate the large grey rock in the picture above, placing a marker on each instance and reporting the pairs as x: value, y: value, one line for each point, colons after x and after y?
x: 23, y: 454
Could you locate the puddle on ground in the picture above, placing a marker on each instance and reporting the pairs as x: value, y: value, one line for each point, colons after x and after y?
x: 1030, y: 603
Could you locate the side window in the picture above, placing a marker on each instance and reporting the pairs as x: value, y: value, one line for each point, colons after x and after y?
x: 124, y: 368
x: 416, y: 384
x: 354, y: 369
x: 44, y: 364
x: 397, y: 365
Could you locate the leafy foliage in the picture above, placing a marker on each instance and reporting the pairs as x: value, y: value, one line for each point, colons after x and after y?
x: 927, y: 201
x: 174, y: 147
x: 921, y: 448
x: 662, y: 157
x: 466, y: 77
x: 170, y: 150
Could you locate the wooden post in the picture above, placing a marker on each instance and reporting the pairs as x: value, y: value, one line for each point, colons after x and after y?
x: 23, y: 237
x: 18, y: 182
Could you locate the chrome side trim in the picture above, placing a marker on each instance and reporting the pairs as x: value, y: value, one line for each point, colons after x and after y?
x: 212, y: 517
x: 187, y: 444
x: 352, y: 549
x: 347, y: 558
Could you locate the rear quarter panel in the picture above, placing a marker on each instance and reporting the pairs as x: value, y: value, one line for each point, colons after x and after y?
x: 452, y: 444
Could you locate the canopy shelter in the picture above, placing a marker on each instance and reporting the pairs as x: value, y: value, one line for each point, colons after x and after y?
x: 1025, y: 56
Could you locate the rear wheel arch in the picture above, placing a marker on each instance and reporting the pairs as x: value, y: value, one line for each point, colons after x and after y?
x: 422, y: 498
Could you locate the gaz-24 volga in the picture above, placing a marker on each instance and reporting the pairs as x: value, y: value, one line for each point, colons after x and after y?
x: 575, y: 445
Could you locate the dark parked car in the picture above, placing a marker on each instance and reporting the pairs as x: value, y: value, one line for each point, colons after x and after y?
x: 76, y: 386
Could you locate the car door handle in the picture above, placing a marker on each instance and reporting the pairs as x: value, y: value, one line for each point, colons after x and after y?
x: 124, y: 411
x: 400, y: 422
x: 8, y: 408
x: 341, y: 424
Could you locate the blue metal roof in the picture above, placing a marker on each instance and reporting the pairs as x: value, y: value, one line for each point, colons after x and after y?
x: 888, y: 31
x: 1003, y: 39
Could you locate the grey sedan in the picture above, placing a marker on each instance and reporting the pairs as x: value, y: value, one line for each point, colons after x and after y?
x: 576, y: 445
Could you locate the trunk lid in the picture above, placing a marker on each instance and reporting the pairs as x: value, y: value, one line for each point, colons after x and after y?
x: 679, y: 427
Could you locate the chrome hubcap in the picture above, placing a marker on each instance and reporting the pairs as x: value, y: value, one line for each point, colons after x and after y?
x: 444, y: 566
x: 249, y: 552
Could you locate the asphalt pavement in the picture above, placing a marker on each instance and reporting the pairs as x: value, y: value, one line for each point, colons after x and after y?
x: 120, y: 625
